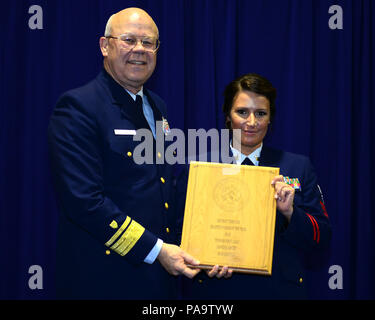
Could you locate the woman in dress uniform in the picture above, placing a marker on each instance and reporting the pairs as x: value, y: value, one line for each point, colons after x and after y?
x: 302, y: 224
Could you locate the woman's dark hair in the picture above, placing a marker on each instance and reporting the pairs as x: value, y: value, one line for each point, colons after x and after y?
x: 248, y: 82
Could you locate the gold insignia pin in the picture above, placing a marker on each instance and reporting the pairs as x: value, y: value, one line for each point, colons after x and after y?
x: 113, y: 224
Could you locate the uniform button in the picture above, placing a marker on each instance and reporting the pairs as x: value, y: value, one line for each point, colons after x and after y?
x: 300, y: 280
x: 107, y: 252
x: 166, y: 205
x: 162, y: 180
x: 167, y: 229
x: 200, y: 281
x: 129, y: 154
x: 159, y: 155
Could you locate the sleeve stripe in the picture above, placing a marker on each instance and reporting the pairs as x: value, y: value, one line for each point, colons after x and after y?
x: 318, y: 231
x: 324, y: 208
x: 129, y: 238
x: 316, y: 228
x: 118, y: 232
x: 312, y: 225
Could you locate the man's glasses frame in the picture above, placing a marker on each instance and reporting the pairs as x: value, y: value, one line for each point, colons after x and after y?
x: 130, y: 42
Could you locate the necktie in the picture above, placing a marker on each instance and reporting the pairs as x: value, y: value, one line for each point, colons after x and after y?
x: 139, y: 117
x: 247, y: 162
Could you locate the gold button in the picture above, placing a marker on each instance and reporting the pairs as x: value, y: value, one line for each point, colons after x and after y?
x: 166, y: 205
x: 167, y: 229
x: 129, y: 154
x: 200, y: 281
x: 300, y: 280
x: 162, y: 180
x: 107, y: 252
x: 159, y: 155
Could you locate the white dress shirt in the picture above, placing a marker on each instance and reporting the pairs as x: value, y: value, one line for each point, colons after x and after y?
x: 240, y: 157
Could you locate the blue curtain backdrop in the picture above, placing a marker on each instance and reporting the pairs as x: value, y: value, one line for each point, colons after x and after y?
x: 325, y: 110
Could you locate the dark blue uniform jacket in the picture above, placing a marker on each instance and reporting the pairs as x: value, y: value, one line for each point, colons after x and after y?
x: 309, y: 230
x: 112, y: 210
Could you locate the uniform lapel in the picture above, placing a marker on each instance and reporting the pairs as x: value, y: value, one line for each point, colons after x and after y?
x: 122, y: 98
x: 269, y: 157
x: 117, y: 93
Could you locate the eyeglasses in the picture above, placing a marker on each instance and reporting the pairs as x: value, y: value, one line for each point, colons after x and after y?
x: 129, y: 42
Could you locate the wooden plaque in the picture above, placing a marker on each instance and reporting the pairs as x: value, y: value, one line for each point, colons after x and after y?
x: 230, y: 215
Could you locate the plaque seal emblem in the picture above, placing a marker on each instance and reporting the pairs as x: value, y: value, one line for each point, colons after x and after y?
x: 228, y: 194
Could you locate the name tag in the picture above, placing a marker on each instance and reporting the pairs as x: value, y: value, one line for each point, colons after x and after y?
x: 123, y: 132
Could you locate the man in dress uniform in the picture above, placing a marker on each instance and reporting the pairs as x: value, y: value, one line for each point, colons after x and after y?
x: 114, y: 236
